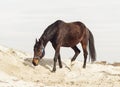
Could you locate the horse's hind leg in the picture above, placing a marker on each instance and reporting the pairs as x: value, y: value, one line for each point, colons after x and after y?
x: 77, y: 51
x: 84, y: 46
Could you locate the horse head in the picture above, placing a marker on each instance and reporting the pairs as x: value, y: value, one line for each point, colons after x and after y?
x: 39, y: 52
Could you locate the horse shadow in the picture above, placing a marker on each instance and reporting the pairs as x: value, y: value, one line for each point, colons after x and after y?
x: 46, y: 63
x: 28, y: 62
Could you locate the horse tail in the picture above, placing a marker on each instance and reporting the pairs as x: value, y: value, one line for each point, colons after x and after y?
x: 92, y: 47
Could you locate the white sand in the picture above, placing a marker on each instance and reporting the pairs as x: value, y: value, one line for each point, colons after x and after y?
x: 16, y: 70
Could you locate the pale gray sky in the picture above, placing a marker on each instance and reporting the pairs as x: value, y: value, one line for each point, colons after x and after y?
x: 21, y: 21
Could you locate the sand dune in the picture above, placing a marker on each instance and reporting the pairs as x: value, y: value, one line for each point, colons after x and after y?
x: 16, y: 70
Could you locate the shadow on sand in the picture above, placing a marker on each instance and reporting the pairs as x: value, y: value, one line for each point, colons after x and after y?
x: 46, y: 63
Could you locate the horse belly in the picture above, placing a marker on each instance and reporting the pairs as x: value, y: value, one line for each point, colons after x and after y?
x: 71, y: 35
x: 70, y: 41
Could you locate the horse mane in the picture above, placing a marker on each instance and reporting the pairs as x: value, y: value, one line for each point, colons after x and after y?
x: 50, y: 31
x: 51, y: 27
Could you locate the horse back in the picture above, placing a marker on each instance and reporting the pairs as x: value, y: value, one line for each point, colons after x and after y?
x: 69, y: 34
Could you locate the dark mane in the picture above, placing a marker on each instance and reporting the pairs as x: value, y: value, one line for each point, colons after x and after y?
x: 50, y: 31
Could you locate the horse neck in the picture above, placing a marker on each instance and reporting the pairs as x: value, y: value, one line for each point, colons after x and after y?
x: 49, y: 33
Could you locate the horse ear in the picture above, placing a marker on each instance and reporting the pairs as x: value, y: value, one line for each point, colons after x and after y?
x: 36, y: 40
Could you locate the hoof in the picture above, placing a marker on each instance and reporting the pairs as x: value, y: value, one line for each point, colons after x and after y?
x: 53, y: 70
x: 84, y: 67
x: 61, y: 66
x: 72, y: 63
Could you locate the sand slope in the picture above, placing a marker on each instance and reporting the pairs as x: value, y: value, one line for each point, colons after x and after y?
x: 16, y: 70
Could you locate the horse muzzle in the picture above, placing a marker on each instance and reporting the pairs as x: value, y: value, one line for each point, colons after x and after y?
x: 35, y: 61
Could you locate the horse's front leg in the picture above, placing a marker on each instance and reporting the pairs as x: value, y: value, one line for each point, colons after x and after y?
x: 55, y: 58
x: 59, y: 60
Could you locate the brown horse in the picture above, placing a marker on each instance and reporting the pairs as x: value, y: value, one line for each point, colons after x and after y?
x: 67, y: 35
